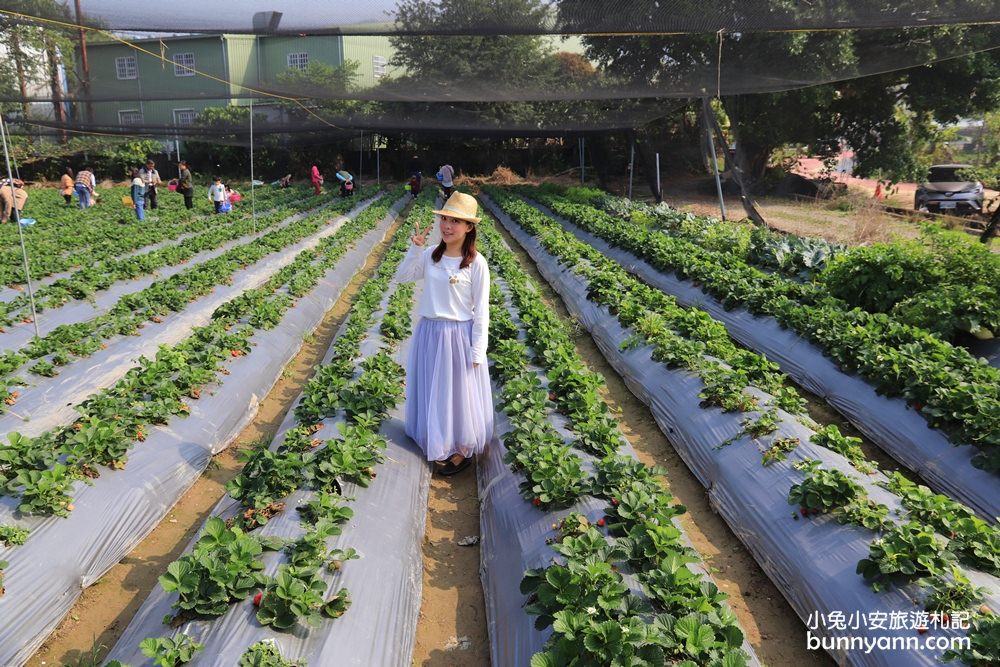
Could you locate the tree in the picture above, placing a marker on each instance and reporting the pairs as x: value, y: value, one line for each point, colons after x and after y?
x: 809, y: 87
x: 36, y: 52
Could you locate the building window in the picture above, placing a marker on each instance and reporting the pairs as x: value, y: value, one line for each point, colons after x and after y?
x: 378, y: 66
x: 183, y: 64
x: 184, y: 116
x: 126, y: 68
x: 130, y: 117
x: 298, y: 60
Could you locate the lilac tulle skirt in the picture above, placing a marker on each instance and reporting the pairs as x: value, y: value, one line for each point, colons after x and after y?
x: 449, y: 404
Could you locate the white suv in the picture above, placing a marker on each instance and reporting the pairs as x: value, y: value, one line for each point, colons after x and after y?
x: 945, y: 192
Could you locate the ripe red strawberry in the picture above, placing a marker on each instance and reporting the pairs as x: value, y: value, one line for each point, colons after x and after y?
x: 614, y: 502
x: 536, y: 501
x: 945, y: 619
x: 552, y: 396
x: 256, y: 598
x: 918, y: 406
x: 921, y: 630
x: 804, y: 511
x: 601, y: 522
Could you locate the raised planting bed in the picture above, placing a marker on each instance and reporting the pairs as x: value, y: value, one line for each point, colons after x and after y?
x: 752, y: 455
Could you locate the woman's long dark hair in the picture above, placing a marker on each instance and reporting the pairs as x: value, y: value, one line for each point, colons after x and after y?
x: 468, y: 248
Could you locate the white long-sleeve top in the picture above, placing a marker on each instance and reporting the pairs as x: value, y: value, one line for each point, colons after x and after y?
x: 464, y: 297
x: 217, y: 192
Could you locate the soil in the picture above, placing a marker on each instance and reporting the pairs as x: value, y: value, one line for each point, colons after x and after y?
x: 451, y: 631
x: 104, y: 609
x: 771, y: 625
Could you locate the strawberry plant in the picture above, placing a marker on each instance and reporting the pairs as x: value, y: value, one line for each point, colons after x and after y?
x: 984, y: 649
x: 952, y: 593
x: 98, y: 442
x: 170, y: 652
x: 266, y: 654
x: 223, y: 567
x: 849, y: 447
x: 298, y: 593
x: 12, y: 536
x: 352, y: 457
x: 267, y: 476
x: 973, y: 540
x: 779, y: 449
x: 43, y: 491
x: 824, y: 490
x: 906, y: 551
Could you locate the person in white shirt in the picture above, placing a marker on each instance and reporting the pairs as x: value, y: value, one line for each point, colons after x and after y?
x: 217, y: 193
x: 447, y: 175
x: 449, y: 403
x: 150, y: 180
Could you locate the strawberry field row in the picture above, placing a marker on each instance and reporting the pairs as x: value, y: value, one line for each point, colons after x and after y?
x: 65, y: 238
x: 170, y: 381
x: 133, y: 311
x: 945, y: 282
x: 739, y: 477
x: 953, y: 390
x: 101, y: 274
x: 313, y: 474
x: 888, y: 422
x: 670, y: 612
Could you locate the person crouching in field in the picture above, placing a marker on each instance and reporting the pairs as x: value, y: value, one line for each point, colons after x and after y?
x: 449, y: 403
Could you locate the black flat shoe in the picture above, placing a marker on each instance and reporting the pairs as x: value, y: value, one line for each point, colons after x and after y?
x: 450, y: 468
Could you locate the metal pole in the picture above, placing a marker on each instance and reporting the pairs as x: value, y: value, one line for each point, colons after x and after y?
x: 253, y: 195
x: 583, y: 160
x: 631, y: 167
x: 659, y: 186
x: 378, y: 166
x: 20, y: 232
x: 361, y: 154
x: 715, y: 160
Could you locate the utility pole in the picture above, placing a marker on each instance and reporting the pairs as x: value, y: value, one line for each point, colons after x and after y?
x: 84, y: 63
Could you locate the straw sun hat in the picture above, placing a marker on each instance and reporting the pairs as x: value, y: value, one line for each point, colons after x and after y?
x: 461, y: 207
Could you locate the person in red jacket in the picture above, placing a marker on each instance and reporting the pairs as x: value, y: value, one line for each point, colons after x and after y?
x: 317, y: 179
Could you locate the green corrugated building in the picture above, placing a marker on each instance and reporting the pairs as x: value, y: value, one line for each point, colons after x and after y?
x: 230, y: 62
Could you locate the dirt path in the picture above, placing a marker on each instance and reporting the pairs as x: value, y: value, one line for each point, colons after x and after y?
x: 104, y: 609
x: 451, y: 631
x: 772, y: 627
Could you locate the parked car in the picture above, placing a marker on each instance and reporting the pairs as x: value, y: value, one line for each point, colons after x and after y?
x: 945, y: 191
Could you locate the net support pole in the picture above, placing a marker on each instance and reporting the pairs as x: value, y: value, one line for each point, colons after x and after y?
x: 361, y: 154
x: 378, y: 166
x: 715, y: 159
x: 20, y: 230
x: 631, y: 166
x: 583, y: 172
x: 659, y: 185
x: 253, y: 195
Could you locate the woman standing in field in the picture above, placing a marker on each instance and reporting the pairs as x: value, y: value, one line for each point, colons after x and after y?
x: 449, y: 404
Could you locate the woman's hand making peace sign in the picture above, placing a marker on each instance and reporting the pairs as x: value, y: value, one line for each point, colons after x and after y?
x: 420, y: 237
